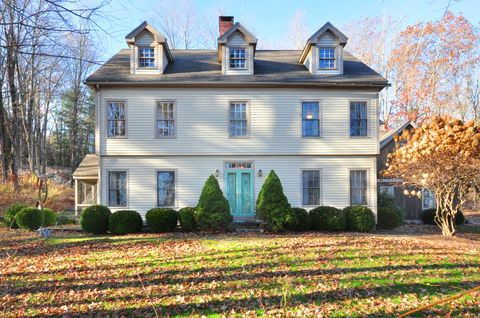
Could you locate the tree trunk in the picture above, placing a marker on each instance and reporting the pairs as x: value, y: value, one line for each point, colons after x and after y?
x: 447, y: 209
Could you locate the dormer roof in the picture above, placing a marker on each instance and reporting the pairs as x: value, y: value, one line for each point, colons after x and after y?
x: 249, y: 37
x: 313, y: 40
x: 157, y: 37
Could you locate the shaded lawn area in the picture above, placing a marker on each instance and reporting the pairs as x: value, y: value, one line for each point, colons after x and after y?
x: 301, y: 275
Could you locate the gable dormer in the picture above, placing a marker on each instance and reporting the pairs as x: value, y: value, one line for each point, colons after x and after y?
x: 236, y: 48
x: 149, y: 52
x: 323, y: 52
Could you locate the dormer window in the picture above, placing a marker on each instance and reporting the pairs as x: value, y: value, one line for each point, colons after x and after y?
x: 326, y: 58
x: 237, y: 58
x: 146, y: 57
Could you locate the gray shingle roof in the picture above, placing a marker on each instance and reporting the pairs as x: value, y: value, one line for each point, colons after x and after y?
x: 87, y: 168
x: 385, y: 139
x: 272, y: 67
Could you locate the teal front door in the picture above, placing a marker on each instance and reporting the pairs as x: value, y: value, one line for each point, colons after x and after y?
x: 239, y: 192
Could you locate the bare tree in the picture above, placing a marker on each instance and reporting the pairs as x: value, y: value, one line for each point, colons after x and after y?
x: 297, y: 33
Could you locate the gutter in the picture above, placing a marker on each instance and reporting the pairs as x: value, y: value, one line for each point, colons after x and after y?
x: 377, y: 85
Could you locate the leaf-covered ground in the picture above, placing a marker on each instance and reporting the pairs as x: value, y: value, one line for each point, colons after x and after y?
x: 305, y: 275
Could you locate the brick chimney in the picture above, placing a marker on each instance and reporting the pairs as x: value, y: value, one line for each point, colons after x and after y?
x: 224, y: 23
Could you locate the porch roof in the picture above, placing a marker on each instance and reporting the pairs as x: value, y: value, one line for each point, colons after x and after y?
x: 88, y: 168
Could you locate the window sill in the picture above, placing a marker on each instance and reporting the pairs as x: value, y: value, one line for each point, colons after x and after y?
x: 118, y: 137
x: 239, y: 137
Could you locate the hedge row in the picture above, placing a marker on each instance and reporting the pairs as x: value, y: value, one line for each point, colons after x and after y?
x: 29, y: 218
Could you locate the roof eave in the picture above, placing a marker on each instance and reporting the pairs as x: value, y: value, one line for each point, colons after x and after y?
x: 375, y: 85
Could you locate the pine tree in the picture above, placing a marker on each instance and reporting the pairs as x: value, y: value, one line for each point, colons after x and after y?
x: 272, y: 204
x: 213, y: 211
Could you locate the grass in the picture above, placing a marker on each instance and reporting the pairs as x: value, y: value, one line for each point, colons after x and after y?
x: 302, y: 275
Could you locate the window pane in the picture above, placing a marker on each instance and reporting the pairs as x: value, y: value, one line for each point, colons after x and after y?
x: 166, y: 188
x: 311, y: 187
x: 117, y: 191
x: 358, y: 187
x: 358, y: 119
x: 165, y: 119
x: 238, y: 120
x: 116, y: 119
x: 310, y: 119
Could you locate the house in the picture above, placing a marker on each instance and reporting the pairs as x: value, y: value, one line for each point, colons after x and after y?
x: 411, y: 204
x: 166, y: 119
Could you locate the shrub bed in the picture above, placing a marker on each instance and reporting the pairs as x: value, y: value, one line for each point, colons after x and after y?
x: 298, y: 220
x: 328, y: 218
x: 212, y: 211
x: 30, y: 218
x: 9, y: 215
x: 94, y: 219
x: 360, y: 219
x: 388, y: 218
x: 186, y: 217
x: 125, y: 222
x: 161, y: 219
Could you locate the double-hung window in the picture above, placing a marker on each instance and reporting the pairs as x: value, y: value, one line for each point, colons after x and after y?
x: 310, y: 119
x: 311, y: 187
x: 116, y: 119
x: 358, y: 119
x: 358, y: 187
x: 117, y: 188
x: 428, y: 199
x: 165, y: 119
x: 326, y: 58
x: 166, y: 188
x: 146, y: 57
x: 237, y: 58
x: 238, y: 116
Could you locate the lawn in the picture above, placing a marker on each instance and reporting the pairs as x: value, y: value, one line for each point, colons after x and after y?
x: 304, y: 275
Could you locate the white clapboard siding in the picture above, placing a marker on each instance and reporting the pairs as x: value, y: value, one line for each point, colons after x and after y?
x: 202, y: 122
x: 191, y: 173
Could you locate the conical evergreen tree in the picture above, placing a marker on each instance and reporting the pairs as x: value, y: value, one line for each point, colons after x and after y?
x: 272, y: 204
x: 213, y: 211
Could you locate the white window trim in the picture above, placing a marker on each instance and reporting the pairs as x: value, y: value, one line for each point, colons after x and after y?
x: 247, y: 103
x: 368, y: 170
x: 246, y: 58
x: 175, y: 122
x: 175, y: 171
x: 320, y: 199
x: 320, y: 119
x: 367, y: 101
x: 155, y: 62
x: 126, y: 188
x: 126, y: 119
x: 335, y: 57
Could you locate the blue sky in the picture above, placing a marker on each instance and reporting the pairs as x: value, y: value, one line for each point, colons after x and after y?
x: 269, y: 19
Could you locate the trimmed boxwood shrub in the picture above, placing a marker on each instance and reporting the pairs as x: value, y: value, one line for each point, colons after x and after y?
x: 272, y: 204
x: 298, y: 220
x: 161, y: 219
x: 388, y: 218
x: 9, y: 215
x: 94, y: 219
x: 49, y: 217
x: 360, y: 218
x: 389, y: 215
x: 30, y: 218
x: 124, y: 222
x: 212, y: 211
x: 429, y: 217
x: 186, y: 217
x: 328, y: 218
